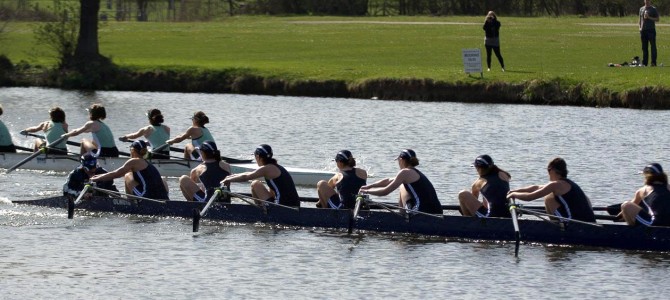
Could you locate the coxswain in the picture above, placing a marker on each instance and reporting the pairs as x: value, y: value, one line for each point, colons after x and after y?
x: 562, y: 196
x: 280, y: 187
x: 78, y: 178
x: 340, y: 191
x: 416, y: 191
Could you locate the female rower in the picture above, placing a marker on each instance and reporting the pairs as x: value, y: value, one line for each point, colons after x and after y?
x: 102, y: 144
x: 209, y: 174
x: 281, y: 187
x: 416, y: 191
x: 493, y: 185
x: 562, y: 197
x: 341, y: 190
x: 53, y: 130
x: 651, y: 204
x: 197, y: 133
x: 156, y: 133
x: 141, y: 178
x: 6, y: 144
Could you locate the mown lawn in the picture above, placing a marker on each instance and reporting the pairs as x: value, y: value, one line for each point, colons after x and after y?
x: 570, y: 48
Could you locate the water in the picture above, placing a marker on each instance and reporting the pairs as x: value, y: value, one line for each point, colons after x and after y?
x: 111, y: 256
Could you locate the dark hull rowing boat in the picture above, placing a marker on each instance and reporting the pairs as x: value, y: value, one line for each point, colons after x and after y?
x: 493, y: 229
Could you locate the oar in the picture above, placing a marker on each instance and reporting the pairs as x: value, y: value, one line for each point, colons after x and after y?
x: 537, y: 213
x: 115, y: 193
x: 517, y: 235
x: 80, y: 198
x: 390, y: 207
x: 359, y: 201
x: 30, y: 157
x: 242, y: 197
x: 24, y: 148
x: 71, y: 143
x: 198, y: 214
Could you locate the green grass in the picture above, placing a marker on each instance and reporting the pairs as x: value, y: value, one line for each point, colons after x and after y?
x: 570, y: 48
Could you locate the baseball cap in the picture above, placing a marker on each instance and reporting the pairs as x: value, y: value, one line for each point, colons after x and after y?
x: 88, y: 161
x: 653, y: 168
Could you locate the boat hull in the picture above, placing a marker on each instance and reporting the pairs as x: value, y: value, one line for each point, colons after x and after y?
x: 167, y: 167
x: 490, y: 229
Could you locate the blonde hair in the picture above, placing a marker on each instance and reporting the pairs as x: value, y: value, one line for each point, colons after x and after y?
x: 491, y: 14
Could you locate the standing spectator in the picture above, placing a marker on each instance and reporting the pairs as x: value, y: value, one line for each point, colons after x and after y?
x: 648, y: 18
x: 492, y: 29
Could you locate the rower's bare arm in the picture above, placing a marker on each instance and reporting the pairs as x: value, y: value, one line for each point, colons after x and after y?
x: 180, y: 138
x: 42, y: 126
x: 144, y: 131
x: 80, y: 130
x: 537, y: 192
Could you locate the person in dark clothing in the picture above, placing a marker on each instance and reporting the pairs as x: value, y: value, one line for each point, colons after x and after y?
x: 281, y: 188
x: 647, y: 23
x: 492, y: 41
x: 340, y: 191
x: 205, y: 177
x: 416, y: 191
x: 651, y: 204
x: 562, y: 197
x: 493, y: 185
x: 78, y: 178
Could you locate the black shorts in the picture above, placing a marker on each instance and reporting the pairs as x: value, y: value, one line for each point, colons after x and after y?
x: 108, y: 152
x: 334, y: 202
x: 8, y: 149
x: 161, y: 155
x: 59, y: 151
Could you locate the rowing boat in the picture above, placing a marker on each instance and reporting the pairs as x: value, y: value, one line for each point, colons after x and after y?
x: 167, y: 167
x: 453, y: 227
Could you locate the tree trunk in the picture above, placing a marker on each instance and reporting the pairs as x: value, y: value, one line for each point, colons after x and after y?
x: 87, y: 43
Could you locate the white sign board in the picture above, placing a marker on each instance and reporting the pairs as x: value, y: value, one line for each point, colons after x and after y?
x: 472, y: 60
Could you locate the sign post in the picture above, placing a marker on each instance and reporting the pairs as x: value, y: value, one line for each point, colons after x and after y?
x: 472, y: 61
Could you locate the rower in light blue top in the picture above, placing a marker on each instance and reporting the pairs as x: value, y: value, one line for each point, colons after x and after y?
x: 6, y: 144
x: 156, y: 133
x: 102, y: 144
x: 197, y: 133
x: 53, y: 130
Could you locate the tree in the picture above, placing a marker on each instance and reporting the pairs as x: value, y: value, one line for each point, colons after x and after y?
x: 87, y: 43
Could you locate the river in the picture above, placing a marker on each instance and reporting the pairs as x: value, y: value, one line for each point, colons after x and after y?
x: 111, y: 256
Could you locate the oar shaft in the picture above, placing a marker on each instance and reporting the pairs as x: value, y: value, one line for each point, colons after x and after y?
x: 260, y: 200
x: 83, y: 192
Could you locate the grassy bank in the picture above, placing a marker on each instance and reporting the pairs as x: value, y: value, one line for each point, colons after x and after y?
x: 567, y: 51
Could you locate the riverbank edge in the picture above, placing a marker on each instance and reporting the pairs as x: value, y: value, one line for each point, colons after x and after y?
x: 555, y: 91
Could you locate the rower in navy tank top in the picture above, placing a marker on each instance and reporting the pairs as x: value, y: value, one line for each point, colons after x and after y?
x: 416, y: 191
x: 281, y: 188
x: 493, y: 185
x: 205, y: 178
x: 562, y: 197
x: 141, y: 178
x: 651, y: 204
x: 340, y: 191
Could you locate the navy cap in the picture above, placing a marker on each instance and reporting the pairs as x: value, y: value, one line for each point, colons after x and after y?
x: 343, y: 156
x: 406, y: 154
x: 207, y: 146
x: 653, y: 168
x: 483, y: 161
x: 88, y: 161
x: 138, y: 145
x: 263, y: 150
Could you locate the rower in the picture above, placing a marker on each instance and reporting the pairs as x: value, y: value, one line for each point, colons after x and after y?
x: 141, y: 178
x: 78, y: 178
x: 156, y: 133
x: 102, y: 144
x: 6, y: 144
x: 416, y: 191
x: 281, y: 187
x: 197, y: 133
x: 205, y: 177
x: 562, y: 196
x: 493, y: 185
x: 650, y: 205
x: 340, y: 191
x: 53, y: 130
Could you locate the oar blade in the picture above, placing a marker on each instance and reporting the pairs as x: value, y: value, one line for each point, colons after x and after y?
x: 23, y: 162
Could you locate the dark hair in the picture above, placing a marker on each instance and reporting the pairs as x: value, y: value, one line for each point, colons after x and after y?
x: 155, y: 117
x: 346, y: 157
x: 57, y: 115
x: 265, y: 153
x: 209, y: 149
x: 216, y: 154
x: 494, y: 170
x: 200, y: 118
x: 1, y: 110
x: 97, y: 112
x: 651, y: 178
x: 558, y: 164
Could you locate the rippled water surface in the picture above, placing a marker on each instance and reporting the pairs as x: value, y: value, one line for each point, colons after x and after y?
x: 45, y: 255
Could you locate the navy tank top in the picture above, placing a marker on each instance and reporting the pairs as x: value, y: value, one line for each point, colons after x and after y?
x: 150, y: 184
x: 657, y: 203
x: 495, y: 191
x: 212, y: 177
x: 284, y: 188
x: 347, y: 188
x: 423, y: 196
x: 576, y: 204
